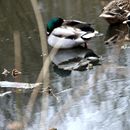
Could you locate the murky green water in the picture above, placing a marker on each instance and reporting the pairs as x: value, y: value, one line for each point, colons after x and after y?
x: 97, y: 99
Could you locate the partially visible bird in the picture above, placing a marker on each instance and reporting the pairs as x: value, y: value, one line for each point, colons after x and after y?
x: 68, y: 33
x: 127, y: 21
x: 128, y: 25
x: 116, y: 11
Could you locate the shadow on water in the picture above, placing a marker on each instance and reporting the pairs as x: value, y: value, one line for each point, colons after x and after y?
x: 96, y: 99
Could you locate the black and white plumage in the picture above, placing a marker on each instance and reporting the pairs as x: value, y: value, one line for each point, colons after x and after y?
x: 68, y: 33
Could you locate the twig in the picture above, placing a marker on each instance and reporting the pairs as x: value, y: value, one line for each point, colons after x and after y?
x: 17, y: 51
x: 44, y: 73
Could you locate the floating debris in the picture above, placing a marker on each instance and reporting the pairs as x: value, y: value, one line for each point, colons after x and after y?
x: 5, y: 72
x: 53, y: 129
x: 15, y: 73
x: 15, y: 125
x: 125, y: 46
x: 7, y: 84
x: 5, y: 93
x: 29, y: 37
x: 90, y: 66
x: 7, y: 39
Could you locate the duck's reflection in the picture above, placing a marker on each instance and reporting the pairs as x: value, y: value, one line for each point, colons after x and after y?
x: 75, y: 59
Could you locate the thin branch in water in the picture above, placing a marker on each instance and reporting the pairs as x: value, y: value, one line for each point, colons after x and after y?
x: 17, y: 52
x: 44, y: 74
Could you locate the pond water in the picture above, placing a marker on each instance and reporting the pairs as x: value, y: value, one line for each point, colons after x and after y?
x: 97, y: 99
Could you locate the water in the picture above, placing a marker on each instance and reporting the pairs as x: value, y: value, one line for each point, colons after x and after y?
x: 97, y: 99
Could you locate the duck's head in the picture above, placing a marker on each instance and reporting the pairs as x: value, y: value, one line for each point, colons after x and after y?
x: 115, y: 11
x: 54, y: 23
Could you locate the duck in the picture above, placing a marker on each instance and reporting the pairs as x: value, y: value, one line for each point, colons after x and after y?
x: 64, y: 34
x: 116, y: 11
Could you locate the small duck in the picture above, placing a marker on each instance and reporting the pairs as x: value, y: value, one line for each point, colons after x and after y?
x: 116, y: 11
x: 68, y: 33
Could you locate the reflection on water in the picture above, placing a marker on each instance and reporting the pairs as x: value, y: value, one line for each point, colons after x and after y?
x: 97, y: 99
x: 18, y: 16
